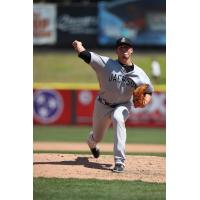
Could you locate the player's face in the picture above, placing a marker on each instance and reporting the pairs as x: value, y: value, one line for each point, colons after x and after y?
x: 124, y: 51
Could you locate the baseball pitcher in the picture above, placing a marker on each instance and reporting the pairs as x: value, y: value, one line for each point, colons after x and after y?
x: 122, y: 85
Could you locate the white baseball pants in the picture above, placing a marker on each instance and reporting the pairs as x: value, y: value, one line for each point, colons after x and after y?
x: 103, y: 117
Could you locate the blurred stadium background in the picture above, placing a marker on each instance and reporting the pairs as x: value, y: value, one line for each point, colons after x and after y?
x: 65, y: 87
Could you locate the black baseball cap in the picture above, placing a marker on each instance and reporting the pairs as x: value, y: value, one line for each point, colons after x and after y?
x: 124, y: 40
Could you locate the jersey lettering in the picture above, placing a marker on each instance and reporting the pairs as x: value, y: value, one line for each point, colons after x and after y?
x: 120, y: 78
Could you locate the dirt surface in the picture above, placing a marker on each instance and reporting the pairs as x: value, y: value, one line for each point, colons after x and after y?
x: 144, y: 168
x: 69, y: 146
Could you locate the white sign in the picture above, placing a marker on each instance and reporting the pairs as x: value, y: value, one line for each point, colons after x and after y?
x: 44, y: 24
x: 85, y: 97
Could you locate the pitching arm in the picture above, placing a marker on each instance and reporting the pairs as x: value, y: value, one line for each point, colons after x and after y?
x: 96, y: 61
x: 78, y: 47
x: 82, y: 52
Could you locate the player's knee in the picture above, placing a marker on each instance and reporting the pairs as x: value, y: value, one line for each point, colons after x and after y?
x: 116, y: 118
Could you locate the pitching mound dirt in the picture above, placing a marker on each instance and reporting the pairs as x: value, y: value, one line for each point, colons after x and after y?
x: 144, y: 168
x: 74, y: 146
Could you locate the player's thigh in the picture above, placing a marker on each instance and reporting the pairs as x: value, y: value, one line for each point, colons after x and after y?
x: 101, y: 119
x: 100, y: 127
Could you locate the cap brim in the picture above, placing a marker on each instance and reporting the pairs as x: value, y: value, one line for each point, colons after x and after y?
x: 122, y: 43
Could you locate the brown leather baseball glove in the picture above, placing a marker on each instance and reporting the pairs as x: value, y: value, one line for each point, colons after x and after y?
x: 138, y: 96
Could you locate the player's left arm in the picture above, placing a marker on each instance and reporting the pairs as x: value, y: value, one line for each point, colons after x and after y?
x: 147, y: 99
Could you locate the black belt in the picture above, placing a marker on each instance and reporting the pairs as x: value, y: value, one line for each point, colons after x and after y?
x: 103, y: 101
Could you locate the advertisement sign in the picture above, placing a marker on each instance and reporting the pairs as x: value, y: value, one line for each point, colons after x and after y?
x: 85, y: 106
x: 144, y: 22
x: 77, y: 22
x: 52, y: 107
x: 75, y: 107
x: 44, y: 24
x: 154, y: 114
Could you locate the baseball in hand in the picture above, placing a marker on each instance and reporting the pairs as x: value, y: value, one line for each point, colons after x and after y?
x: 75, y: 43
x: 78, y: 46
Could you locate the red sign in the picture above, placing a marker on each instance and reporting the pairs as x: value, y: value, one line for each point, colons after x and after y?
x: 152, y: 115
x: 62, y: 107
x: 84, y: 106
x: 52, y: 107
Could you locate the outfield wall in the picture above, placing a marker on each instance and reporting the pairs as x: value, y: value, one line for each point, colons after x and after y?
x: 72, y: 104
x: 100, y: 24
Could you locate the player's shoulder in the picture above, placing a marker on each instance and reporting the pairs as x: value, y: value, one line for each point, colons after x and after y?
x: 101, y: 56
x: 138, y: 69
x: 97, y: 56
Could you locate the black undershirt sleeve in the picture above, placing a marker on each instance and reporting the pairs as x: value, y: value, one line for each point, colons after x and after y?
x: 85, y: 55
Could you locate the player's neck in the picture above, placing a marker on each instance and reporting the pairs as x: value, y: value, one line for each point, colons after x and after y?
x: 127, y: 62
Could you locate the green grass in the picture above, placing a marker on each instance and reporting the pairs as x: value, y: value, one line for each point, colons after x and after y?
x: 77, y: 189
x: 67, y: 67
x: 79, y: 134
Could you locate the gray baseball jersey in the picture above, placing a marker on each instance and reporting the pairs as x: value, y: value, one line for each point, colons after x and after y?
x: 116, y: 85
